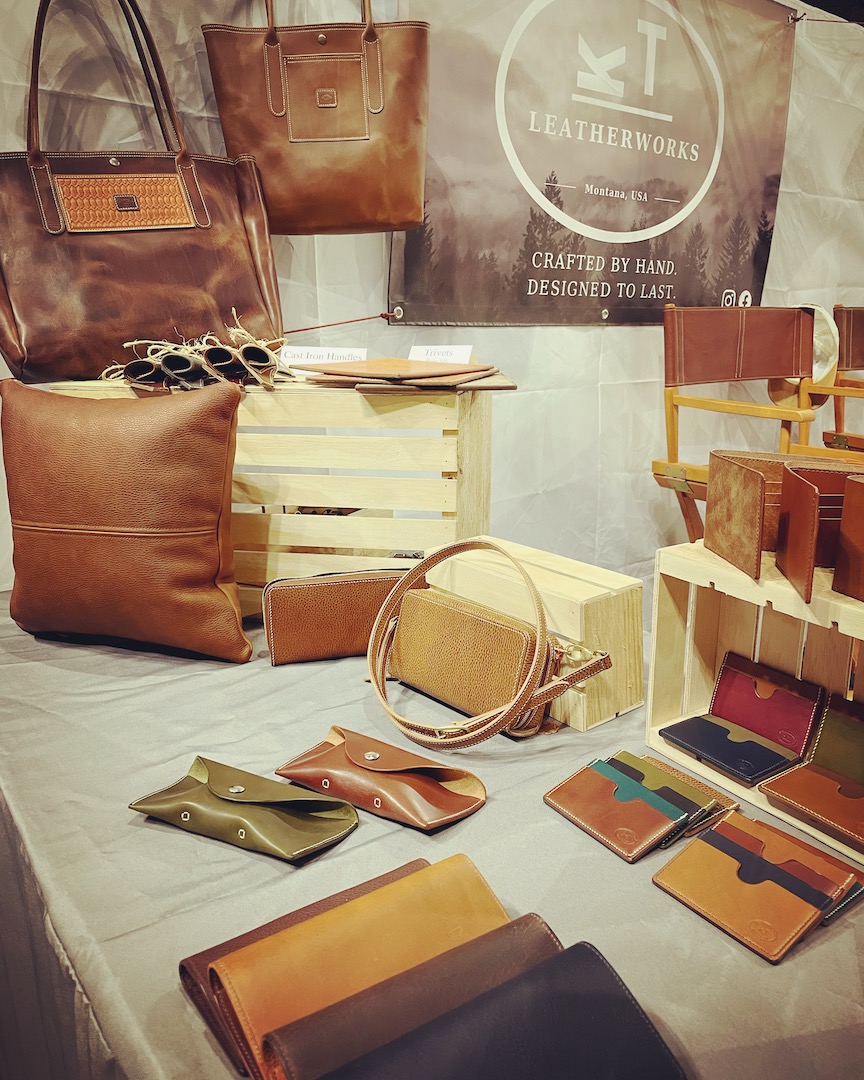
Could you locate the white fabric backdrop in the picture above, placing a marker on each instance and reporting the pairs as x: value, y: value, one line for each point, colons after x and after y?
x: 572, y: 448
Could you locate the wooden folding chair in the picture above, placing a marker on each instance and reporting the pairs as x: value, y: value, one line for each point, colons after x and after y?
x: 730, y: 345
x: 850, y: 325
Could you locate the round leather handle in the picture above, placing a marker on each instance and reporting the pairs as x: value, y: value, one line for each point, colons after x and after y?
x: 365, y: 7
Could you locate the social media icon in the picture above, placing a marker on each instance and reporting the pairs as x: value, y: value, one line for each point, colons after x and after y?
x: 728, y: 299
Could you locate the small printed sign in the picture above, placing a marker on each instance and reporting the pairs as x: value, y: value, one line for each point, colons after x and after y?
x: 297, y: 355
x: 443, y: 354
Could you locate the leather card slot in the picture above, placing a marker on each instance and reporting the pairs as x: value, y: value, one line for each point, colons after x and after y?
x: 753, y: 870
x: 675, y: 798
x: 747, y: 759
x: 791, y: 865
x: 626, y: 790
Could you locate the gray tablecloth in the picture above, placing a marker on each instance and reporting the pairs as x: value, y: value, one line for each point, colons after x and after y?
x: 97, y: 904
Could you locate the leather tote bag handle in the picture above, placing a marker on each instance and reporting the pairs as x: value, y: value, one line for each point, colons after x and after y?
x: 477, y: 728
x: 365, y: 6
x: 135, y: 22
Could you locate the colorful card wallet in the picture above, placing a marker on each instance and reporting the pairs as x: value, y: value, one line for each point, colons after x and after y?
x: 631, y: 805
x: 759, y: 884
x: 759, y: 721
x: 827, y: 790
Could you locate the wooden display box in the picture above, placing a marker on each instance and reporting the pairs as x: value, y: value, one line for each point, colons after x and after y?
x: 406, y: 471
x: 704, y: 606
x: 597, y: 608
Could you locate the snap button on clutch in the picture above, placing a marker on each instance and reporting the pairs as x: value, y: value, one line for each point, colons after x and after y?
x: 236, y: 789
x: 322, y: 39
x: 113, y: 161
x: 371, y: 755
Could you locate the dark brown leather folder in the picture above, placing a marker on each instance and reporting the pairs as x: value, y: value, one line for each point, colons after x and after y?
x: 328, y: 1039
x: 849, y: 565
x: 568, y: 1017
x: 194, y: 969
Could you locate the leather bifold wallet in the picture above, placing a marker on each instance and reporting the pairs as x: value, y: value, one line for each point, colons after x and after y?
x: 332, y: 1037
x: 849, y: 564
x: 811, y: 504
x: 760, y: 885
x: 309, y: 966
x: 827, y: 790
x: 387, y: 780
x: 323, y: 617
x: 571, y: 1016
x: 195, y: 973
x: 628, y: 804
x: 742, y: 507
x: 760, y: 721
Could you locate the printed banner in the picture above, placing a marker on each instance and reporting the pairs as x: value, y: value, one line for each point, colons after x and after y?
x: 590, y: 162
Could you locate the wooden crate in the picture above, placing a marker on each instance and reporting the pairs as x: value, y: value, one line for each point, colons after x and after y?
x: 597, y: 608
x: 704, y: 606
x: 413, y: 469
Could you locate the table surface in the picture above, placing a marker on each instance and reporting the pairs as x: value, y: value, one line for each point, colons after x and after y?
x: 84, y: 730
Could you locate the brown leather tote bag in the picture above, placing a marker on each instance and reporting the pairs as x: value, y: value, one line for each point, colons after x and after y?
x: 335, y: 115
x: 98, y: 248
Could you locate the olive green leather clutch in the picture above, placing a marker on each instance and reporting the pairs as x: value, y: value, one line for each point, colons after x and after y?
x: 250, y: 811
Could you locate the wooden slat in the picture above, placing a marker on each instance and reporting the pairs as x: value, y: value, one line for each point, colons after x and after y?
x: 375, y: 492
x: 352, y: 532
x: 474, y: 463
x: 320, y: 407
x: 259, y: 567
x: 347, y: 452
x: 781, y: 641
x: 828, y: 658
x: 668, y: 646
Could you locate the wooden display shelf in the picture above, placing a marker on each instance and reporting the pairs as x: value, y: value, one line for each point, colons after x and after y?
x: 594, y: 607
x: 704, y: 606
x: 405, y: 471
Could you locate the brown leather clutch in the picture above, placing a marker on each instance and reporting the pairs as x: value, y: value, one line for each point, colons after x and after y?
x: 340, y: 952
x: 323, y: 617
x: 194, y: 970
x: 386, y: 780
x: 330, y: 1038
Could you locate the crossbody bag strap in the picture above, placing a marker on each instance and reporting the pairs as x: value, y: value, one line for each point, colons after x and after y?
x: 477, y: 728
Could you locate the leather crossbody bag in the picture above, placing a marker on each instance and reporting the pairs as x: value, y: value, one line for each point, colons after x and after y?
x: 500, y: 671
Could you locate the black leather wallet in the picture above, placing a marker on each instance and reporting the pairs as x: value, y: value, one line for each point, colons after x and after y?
x: 569, y: 1016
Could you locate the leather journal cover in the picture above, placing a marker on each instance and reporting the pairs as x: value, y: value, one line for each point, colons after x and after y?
x: 571, y: 1016
x: 194, y: 970
x: 317, y: 1044
x: 811, y: 502
x: 849, y: 564
x: 758, y: 884
x: 759, y: 721
x: 325, y: 616
x: 387, y: 780
x: 393, y: 368
x: 827, y: 790
x: 307, y: 967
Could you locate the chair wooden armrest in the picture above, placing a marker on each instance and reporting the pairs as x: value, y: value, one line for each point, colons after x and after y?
x: 746, y: 408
